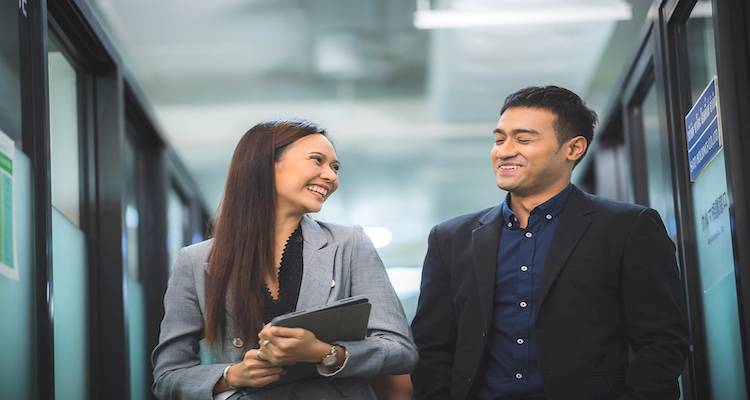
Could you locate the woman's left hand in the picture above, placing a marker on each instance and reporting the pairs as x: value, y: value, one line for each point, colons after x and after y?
x: 288, y: 346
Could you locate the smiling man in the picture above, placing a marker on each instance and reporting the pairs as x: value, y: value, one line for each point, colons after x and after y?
x: 546, y: 295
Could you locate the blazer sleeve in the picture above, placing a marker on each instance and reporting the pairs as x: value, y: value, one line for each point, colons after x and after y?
x: 178, y: 372
x: 434, y: 327
x: 654, y: 307
x: 388, y: 347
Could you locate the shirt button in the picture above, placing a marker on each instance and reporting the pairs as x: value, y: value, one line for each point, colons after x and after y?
x: 237, y: 342
x: 548, y: 216
x: 528, y: 234
x: 519, y: 341
x: 510, y: 224
x: 522, y: 304
x: 524, y: 268
x: 519, y: 376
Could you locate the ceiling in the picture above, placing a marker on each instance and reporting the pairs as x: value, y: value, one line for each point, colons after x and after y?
x: 411, y: 111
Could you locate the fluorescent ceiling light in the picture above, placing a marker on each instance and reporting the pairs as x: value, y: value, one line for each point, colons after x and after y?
x: 379, y: 236
x: 455, y: 18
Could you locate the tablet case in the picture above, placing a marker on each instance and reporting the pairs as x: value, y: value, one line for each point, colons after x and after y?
x: 342, y: 320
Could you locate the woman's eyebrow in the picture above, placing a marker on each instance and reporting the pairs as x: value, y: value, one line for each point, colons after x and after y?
x: 326, y: 157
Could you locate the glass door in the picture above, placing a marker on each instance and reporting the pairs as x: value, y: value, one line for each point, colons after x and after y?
x: 698, y: 123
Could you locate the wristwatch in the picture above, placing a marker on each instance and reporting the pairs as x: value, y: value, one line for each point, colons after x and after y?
x: 331, y: 358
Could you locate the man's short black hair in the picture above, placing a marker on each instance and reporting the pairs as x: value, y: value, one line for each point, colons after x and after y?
x: 573, y: 117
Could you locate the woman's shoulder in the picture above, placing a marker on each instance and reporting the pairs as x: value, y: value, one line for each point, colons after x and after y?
x: 341, y: 233
x: 198, y: 252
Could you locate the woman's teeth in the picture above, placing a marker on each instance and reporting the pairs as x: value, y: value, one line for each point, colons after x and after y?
x: 317, y: 189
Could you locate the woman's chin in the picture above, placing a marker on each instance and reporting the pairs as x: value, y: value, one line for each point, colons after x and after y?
x: 313, y: 208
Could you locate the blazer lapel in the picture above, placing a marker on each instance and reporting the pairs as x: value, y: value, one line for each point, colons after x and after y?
x: 318, y: 258
x: 574, y: 221
x: 484, y: 244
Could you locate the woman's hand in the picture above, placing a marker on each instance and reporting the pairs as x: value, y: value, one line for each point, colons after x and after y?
x: 253, y: 372
x: 288, y: 346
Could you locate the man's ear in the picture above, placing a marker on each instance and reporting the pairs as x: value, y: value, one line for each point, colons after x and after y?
x: 576, y: 148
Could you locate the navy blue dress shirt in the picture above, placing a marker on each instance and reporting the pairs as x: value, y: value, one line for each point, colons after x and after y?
x: 511, y: 362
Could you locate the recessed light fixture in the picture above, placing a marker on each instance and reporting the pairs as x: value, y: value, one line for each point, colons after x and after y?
x: 427, y: 18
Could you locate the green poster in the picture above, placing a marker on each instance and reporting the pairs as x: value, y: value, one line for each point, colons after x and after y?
x: 8, y: 266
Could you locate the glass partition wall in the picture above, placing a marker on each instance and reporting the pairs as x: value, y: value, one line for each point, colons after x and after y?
x: 68, y: 238
x: 713, y: 225
x: 17, y: 305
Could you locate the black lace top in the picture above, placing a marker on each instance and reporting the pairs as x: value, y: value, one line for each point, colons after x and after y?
x: 290, y: 279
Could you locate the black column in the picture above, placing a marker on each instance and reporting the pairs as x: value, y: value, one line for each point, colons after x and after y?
x: 35, y: 110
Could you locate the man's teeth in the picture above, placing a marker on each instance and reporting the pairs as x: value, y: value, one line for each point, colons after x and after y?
x: 509, y: 167
x: 318, y: 189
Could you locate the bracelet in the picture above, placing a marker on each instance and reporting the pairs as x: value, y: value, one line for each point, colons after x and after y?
x: 224, y: 376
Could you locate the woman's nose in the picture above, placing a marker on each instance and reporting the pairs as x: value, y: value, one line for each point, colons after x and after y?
x: 329, y: 174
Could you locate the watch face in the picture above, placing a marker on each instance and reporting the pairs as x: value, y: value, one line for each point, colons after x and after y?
x: 330, y: 360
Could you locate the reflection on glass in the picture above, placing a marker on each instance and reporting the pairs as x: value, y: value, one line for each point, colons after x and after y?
x: 10, y: 71
x: 714, y: 233
x: 63, y: 132
x: 131, y: 209
x: 70, y: 314
x: 137, y: 353
x: 701, y: 47
x: 177, y: 217
x: 135, y: 292
x: 659, y: 175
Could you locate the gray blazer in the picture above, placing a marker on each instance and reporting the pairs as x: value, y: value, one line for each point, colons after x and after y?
x: 339, y: 261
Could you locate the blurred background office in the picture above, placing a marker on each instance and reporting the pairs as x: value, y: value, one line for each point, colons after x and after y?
x: 119, y: 119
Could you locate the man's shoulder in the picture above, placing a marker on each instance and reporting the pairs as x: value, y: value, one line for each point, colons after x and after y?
x: 614, y: 207
x: 464, y: 221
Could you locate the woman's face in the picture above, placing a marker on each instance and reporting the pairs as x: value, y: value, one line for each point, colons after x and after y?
x: 306, y: 175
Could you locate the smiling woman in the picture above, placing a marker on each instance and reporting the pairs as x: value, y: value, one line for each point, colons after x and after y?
x: 268, y: 258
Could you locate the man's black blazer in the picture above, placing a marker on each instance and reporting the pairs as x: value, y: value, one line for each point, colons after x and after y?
x: 610, y: 285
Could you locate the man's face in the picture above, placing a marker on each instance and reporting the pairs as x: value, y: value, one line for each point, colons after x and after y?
x: 527, y: 157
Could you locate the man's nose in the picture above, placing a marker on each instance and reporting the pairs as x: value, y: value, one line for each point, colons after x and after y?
x: 505, y: 149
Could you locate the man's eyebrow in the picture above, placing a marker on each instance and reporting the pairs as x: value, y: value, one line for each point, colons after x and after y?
x: 517, y: 131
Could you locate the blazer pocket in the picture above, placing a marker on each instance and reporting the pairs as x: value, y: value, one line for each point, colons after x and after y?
x: 604, y: 385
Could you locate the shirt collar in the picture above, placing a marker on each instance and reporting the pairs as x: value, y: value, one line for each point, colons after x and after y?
x: 552, y: 207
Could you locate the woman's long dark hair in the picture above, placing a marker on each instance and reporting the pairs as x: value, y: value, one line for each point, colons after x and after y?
x: 242, y: 256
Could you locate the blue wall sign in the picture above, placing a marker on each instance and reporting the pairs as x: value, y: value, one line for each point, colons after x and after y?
x: 703, y: 130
